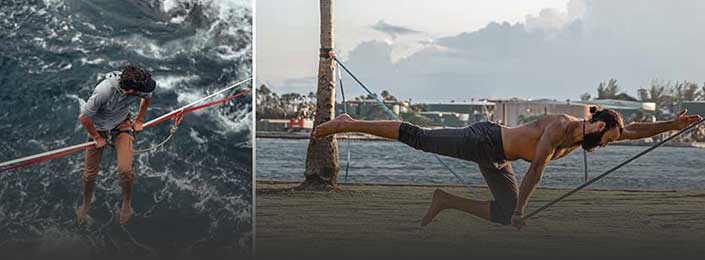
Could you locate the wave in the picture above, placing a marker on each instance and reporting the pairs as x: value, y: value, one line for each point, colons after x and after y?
x: 193, y: 195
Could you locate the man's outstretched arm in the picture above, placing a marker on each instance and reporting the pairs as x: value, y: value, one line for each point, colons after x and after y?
x: 543, y: 154
x: 635, y: 131
x: 139, y: 120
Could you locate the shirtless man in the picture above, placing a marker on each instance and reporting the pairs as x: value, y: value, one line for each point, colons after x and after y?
x: 493, y: 147
x: 107, y: 119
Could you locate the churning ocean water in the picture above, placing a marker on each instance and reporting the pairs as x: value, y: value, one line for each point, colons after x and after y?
x: 665, y: 168
x: 192, y: 197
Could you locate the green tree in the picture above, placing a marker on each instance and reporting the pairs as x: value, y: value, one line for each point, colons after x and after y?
x: 657, y: 94
x: 386, y: 96
x: 607, y: 91
x: 691, y: 91
x: 677, y: 91
x: 644, y: 94
x: 585, y: 97
x: 264, y: 90
x: 290, y: 98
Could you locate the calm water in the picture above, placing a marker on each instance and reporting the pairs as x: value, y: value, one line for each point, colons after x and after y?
x: 192, y: 197
x: 668, y: 168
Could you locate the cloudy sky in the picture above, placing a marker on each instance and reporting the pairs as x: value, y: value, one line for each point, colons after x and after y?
x: 460, y: 49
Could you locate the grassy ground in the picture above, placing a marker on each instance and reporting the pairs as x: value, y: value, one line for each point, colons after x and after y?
x: 382, y: 220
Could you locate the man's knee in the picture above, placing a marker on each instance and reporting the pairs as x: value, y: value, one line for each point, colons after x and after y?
x: 89, y: 176
x: 91, y: 165
x: 126, y: 173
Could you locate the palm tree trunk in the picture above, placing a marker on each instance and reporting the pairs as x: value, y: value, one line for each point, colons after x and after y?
x: 322, y: 155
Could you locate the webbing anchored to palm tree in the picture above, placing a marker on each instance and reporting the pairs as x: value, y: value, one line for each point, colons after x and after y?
x: 391, y: 114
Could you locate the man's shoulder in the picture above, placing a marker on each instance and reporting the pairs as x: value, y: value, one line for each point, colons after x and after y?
x: 558, y: 119
x: 108, y: 83
x: 560, y: 126
x: 113, y: 75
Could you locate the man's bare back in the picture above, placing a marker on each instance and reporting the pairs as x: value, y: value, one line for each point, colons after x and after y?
x: 521, y: 142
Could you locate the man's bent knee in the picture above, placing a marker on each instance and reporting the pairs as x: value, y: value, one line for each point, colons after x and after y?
x: 89, y: 177
x: 126, y: 175
x: 501, y: 211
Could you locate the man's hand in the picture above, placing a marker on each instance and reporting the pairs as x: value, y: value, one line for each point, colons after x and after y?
x: 99, y: 141
x: 684, y: 120
x: 87, y: 123
x: 137, y: 126
x: 517, y: 221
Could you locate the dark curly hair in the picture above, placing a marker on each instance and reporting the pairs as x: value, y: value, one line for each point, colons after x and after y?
x: 136, y: 78
x: 612, y: 119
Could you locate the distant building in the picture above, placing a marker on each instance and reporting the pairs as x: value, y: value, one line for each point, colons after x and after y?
x: 630, y: 110
x: 464, y: 111
x: 623, y: 97
x: 447, y: 118
x: 272, y: 125
x: 359, y: 108
x: 284, y: 125
x: 518, y: 112
x: 694, y: 107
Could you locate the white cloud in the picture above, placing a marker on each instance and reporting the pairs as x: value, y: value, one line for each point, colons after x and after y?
x: 555, y: 54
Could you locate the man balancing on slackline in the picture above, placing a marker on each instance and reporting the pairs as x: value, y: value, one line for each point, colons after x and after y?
x: 107, y: 119
x: 493, y: 146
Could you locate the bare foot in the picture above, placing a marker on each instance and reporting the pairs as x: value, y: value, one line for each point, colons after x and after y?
x: 437, y: 205
x: 331, y: 127
x: 125, y: 213
x: 82, y: 215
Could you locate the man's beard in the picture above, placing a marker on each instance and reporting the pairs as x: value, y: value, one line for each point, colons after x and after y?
x: 592, y: 141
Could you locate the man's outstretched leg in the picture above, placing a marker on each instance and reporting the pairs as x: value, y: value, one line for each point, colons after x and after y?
x: 123, y: 147
x: 453, y: 142
x: 443, y: 200
x: 91, y: 166
x: 344, y: 123
x: 480, y: 142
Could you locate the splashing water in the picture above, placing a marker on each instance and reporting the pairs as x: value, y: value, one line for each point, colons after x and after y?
x: 191, y: 197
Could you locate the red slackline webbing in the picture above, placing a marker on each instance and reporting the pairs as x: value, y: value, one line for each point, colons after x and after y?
x: 46, y: 156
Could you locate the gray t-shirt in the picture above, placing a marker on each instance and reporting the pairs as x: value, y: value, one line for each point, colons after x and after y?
x: 108, y: 107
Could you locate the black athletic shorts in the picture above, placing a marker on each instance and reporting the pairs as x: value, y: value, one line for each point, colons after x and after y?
x: 480, y: 143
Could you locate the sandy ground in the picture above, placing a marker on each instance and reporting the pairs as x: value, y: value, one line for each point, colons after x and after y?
x: 383, y: 221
